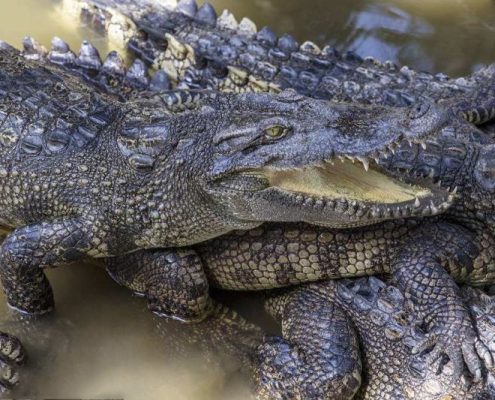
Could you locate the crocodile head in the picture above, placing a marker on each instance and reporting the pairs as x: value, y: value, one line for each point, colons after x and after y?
x: 290, y: 158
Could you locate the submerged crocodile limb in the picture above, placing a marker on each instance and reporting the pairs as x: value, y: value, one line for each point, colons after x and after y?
x: 316, y: 355
x: 194, y: 46
x: 83, y: 174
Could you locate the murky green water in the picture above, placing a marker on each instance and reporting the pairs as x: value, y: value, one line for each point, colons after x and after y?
x: 102, y: 342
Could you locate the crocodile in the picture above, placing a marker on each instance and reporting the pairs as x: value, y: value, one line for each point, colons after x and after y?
x: 245, y: 260
x: 305, y: 358
x: 178, y: 168
x: 195, y: 46
x: 479, y: 115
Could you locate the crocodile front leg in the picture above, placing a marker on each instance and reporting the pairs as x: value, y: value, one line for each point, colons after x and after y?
x: 29, y: 249
x: 173, y: 281
x: 420, y: 272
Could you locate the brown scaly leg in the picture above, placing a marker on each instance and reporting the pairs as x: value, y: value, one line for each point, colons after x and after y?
x: 316, y: 357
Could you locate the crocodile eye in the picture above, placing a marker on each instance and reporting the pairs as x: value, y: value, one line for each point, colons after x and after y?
x: 276, y: 132
x: 418, y: 110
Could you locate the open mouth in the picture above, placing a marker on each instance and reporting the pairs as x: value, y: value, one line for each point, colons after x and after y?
x: 357, y: 189
x: 346, y: 180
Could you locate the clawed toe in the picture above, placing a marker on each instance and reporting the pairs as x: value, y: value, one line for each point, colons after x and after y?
x: 462, y: 351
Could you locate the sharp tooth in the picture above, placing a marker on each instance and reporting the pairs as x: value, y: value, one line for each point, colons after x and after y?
x: 309, y: 202
x: 417, y: 203
x: 410, y: 143
x: 455, y: 190
x: 392, y: 148
x: 434, y: 208
x: 365, y: 163
x: 350, y: 158
x: 341, y: 158
x: 423, y: 145
x: 439, y: 183
x: 376, y: 159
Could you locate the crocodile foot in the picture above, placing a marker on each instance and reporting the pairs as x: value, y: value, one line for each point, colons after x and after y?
x: 459, y: 342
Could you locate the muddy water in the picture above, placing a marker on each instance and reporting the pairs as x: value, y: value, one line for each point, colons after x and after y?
x: 101, y: 342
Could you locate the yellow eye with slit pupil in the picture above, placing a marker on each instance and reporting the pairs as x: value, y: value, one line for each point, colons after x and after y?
x: 276, y: 132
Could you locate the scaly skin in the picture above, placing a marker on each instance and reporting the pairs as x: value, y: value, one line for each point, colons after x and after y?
x: 387, y: 332
x: 178, y: 169
x: 195, y: 47
x: 281, y: 255
x: 316, y: 355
